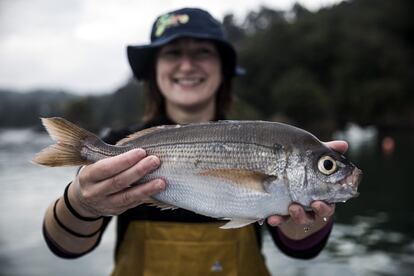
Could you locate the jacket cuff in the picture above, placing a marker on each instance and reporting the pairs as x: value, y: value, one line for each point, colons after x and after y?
x: 306, y: 248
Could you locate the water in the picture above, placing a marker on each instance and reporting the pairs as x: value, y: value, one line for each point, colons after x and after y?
x: 372, y: 235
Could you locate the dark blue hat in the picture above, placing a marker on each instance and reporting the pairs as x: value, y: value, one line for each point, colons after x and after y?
x: 187, y: 22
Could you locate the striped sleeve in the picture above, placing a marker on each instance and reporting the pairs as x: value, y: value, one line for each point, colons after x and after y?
x: 61, y: 252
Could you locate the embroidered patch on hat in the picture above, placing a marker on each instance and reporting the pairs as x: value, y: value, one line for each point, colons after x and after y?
x: 170, y: 20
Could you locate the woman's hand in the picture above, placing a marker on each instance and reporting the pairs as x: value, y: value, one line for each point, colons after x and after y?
x: 104, y: 188
x: 300, y: 224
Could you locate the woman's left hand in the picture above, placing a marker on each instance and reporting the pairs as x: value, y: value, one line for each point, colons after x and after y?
x: 299, y: 224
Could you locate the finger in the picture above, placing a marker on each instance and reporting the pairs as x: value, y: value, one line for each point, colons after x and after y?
x: 299, y: 216
x: 134, y: 196
x: 338, y: 145
x: 124, y: 179
x: 108, y: 167
x: 322, y: 209
x: 276, y: 220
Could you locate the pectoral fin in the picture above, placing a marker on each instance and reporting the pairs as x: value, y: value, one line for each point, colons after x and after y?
x: 237, y: 223
x: 250, y: 179
x: 163, y: 206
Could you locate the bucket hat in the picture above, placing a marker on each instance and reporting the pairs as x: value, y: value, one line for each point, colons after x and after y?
x: 186, y: 22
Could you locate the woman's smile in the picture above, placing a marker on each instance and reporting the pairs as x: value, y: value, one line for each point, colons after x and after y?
x: 188, y: 81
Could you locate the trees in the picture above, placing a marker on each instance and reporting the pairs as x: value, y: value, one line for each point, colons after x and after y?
x: 351, y: 62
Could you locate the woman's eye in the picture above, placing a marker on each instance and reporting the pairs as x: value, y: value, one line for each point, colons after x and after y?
x: 327, y: 165
x: 203, y: 53
x: 171, y: 53
x: 197, y: 53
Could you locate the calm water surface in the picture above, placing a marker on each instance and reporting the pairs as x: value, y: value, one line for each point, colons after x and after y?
x: 373, y: 234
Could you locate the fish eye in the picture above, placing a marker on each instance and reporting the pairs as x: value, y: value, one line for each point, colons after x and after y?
x: 327, y: 165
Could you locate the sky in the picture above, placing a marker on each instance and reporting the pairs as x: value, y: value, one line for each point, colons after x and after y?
x: 79, y: 45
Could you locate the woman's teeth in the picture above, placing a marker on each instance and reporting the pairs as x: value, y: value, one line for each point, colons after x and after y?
x: 188, y: 81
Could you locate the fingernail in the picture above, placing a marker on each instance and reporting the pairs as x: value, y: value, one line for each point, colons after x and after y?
x: 155, y: 161
x: 274, y: 222
x: 294, y: 212
x: 160, y: 185
x: 316, y: 207
x: 139, y: 152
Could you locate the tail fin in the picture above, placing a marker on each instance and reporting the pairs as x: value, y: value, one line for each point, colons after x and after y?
x: 69, y: 142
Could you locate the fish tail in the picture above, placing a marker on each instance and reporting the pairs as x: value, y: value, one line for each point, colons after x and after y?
x: 69, y: 141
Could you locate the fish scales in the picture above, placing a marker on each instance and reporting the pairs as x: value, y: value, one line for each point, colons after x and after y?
x: 201, y: 156
x: 243, y: 145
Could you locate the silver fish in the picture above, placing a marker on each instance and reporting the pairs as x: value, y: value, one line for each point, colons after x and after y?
x: 242, y: 171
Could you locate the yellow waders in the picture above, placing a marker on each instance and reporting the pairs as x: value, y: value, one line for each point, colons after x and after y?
x: 188, y: 249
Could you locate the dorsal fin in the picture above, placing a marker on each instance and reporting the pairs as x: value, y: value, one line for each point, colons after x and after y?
x: 144, y: 132
x: 250, y: 179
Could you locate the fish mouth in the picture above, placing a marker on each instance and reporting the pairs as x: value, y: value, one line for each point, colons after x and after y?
x: 351, y: 182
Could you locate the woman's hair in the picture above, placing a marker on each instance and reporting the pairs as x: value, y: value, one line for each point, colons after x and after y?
x: 155, y: 101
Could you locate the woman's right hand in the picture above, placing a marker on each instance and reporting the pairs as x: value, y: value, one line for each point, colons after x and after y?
x: 104, y: 188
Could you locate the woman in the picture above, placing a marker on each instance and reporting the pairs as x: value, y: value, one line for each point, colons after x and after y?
x: 187, y: 69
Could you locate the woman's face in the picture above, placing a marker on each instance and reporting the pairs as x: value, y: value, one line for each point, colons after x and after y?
x: 188, y: 72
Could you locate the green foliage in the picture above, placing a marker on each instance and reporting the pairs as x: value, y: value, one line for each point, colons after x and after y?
x: 298, y: 95
x: 350, y: 62
x: 242, y: 110
x: 122, y: 108
x: 79, y: 111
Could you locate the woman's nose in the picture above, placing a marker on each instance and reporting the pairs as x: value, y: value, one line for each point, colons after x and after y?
x: 186, y: 63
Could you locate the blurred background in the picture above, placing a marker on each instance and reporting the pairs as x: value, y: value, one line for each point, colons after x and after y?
x: 340, y: 69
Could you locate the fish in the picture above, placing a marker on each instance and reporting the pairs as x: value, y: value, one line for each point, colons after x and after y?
x: 240, y: 171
